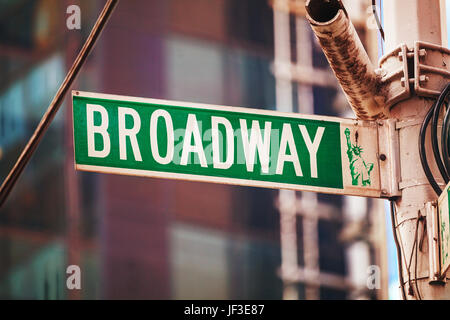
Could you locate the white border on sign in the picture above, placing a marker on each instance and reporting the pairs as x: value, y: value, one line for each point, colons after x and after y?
x: 233, y: 181
x: 173, y: 103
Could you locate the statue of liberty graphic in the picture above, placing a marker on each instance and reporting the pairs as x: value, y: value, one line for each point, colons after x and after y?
x: 360, y: 170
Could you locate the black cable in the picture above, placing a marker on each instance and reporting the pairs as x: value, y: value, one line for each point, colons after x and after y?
x: 416, y: 241
x: 434, y: 124
x: 377, y: 18
x: 52, y: 110
x: 414, y: 252
x: 423, y: 155
x: 441, y: 156
x: 399, y: 252
x: 408, y: 267
x: 444, y: 139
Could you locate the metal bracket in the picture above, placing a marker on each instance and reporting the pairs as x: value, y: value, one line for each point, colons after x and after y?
x: 433, y: 242
x: 394, y: 75
x: 389, y: 158
x: 430, y: 75
x: 431, y: 69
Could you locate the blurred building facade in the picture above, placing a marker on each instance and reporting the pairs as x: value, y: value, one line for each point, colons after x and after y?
x: 330, y: 244
x: 160, y: 239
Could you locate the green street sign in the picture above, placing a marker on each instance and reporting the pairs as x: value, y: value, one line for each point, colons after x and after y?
x: 444, y: 232
x: 198, y: 142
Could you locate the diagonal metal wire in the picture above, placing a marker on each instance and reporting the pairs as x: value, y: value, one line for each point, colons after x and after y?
x: 53, y: 108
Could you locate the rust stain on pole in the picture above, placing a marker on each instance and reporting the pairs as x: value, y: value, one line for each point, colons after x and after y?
x: 348, y: 58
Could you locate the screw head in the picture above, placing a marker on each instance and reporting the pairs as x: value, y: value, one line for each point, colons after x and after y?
x: 403, y: 81
x: 423, y: 78
x: 422, y: 53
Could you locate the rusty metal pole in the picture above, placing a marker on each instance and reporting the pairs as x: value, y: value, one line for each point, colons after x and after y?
x: 347, y: 57
x: 408, y: 21
x: 404, y: 88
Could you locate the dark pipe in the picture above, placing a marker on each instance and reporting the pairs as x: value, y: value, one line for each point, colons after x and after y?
x: 323, y: 10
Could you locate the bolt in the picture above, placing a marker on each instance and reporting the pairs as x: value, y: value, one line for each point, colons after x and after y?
x: 402, y: 81
x: 423, y: 78
x: 422, y: 53
x: 381, y: 72
x: 384, y: 192
x: 382, y: 157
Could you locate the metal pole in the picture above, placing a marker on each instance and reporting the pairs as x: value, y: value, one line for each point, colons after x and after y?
x: 46, y: 120
x: 407, y: 21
